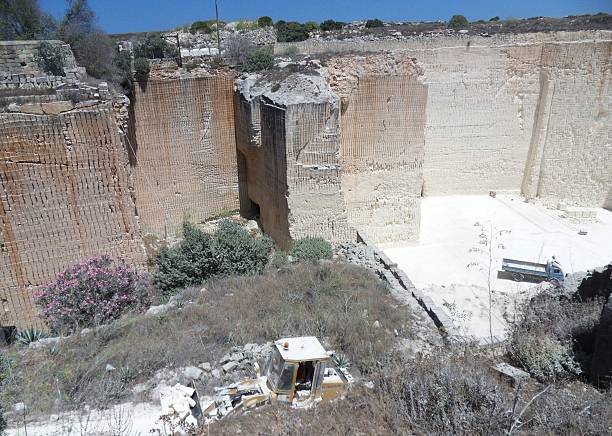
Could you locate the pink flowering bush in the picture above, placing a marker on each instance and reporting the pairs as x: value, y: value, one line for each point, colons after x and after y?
x: 93, y: 292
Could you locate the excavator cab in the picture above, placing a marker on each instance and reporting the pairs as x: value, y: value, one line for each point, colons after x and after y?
x: 300, y: 371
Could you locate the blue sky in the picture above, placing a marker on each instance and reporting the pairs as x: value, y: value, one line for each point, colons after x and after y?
x: 117, y: 16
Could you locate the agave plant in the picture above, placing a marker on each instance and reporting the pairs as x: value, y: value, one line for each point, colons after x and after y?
x: 342, y: 361
x: 29, y: 335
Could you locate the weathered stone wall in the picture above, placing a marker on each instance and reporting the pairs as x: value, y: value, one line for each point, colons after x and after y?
x: 382, y: 143
x: 183, y: 154
x: 480, y: 112
x: 526, y: 113
x: 315, y: 195
x: 65, y: 195
x: 571, y: 152
x: 289, y: 170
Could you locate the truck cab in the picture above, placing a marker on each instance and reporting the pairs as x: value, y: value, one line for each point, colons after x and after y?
x: 554, y: 271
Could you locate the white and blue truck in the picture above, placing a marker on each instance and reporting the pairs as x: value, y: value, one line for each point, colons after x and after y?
x: 520, y: 270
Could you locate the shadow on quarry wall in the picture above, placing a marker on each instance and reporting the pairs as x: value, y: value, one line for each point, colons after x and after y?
x: 593, y: 348
x: 132, y: 145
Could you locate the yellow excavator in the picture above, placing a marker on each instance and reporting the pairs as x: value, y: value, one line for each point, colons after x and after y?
x: 299, y: 371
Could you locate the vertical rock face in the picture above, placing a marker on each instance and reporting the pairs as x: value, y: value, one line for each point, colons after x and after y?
x: 575, y: 160
x: 288, y: 158
x: 480, y: 109
x: 182, y: 147
x: 65, y: 194
x: 382, y: 143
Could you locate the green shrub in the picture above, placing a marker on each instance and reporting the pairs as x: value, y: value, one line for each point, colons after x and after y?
x: 200, y: 27
x: 29, y: 335
x: 311, y: 248
x: 123, y: 65
x: 141, y: 69
x: 199, y: 256
x: 265, y: 21
x: 328, y: 25
x: 545, y: 358
x: 189, y: 263
x: 6, y: 368
x: 237, y: 253
x: 154, y: 46
x: 291, y: 31
x: 260, y: 59
x: 311, y: 26
x: 50, y: 58
x: 279, y: 259
x: 374, y: 23
x: 495, y: 18
x: 458, y: 22
x: 246, y: 25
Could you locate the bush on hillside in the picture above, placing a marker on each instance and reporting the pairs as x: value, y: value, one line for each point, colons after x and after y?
x: 237, y: 252
x: 555, y: 336
x: 122, y: 61
x: 199, y: 256
x: 546, y: 358
x: 154, y: 46
x: 246, y: 25
x: 458, y: 22
x: 311, y: 248
x: 291, y: 31
x: 495, y: 18
x: 373, y: 23
x: 311, y: 26
x: 200, y: 27
x: 328, y: 25
x: 50, y: 58
x: 443, y: 396
x: 141, y: 69
x: 265, y: 21
x: 238, y: 49
x: 92, y: 293
x: 260, y: 59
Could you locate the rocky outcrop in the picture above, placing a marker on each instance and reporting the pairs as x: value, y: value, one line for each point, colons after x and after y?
x: 601, y: 365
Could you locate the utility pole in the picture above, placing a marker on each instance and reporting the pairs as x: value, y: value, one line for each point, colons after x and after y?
x: 218, y: 37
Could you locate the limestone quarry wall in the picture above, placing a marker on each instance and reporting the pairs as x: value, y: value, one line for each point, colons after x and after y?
x: 315, y: 193
x: 65, y: 194
x: 182, y: 147
x: 514, y: 113
x: 289, y: 171
x: 382, y: 143
x: 570, y: 158
x: 262, y: 165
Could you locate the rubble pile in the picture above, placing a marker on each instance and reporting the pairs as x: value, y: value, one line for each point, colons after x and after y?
x: 178, y: 403
x: 259, y: 36
x: 359, y: 254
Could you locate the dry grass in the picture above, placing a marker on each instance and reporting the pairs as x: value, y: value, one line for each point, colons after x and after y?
x: 332, y: 300
x: 443, y: 394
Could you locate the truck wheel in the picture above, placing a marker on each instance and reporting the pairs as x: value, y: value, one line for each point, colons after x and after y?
x: 555, y: 283
x: 518, y: 277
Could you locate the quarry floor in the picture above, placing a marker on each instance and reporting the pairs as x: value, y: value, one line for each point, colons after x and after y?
x: 450, y: 262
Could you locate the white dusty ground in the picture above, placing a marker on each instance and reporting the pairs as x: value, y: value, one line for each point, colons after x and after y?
x: 450, y: 264
x: 125, y: 419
